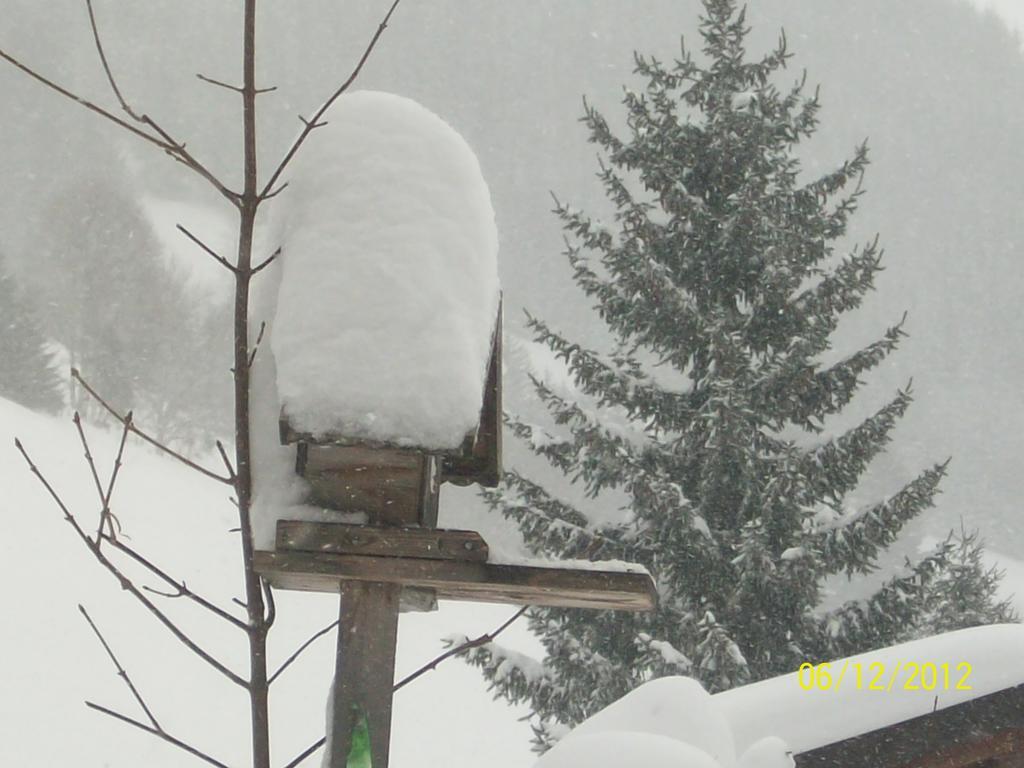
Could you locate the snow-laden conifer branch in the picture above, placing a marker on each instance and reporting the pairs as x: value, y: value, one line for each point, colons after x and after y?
x: 852, y: 544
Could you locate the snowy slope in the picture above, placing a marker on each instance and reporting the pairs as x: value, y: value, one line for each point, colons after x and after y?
x: 51, y: 662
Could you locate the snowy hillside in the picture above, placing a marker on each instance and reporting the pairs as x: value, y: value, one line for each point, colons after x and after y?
x: 52, y: 661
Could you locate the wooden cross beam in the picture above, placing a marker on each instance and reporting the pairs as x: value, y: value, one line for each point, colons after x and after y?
x: 370, y: 566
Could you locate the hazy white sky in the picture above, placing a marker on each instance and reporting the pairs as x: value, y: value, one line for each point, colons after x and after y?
x: 1011, y: 11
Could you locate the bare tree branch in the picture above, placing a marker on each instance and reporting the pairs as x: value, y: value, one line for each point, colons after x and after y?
x: 298, y: 651
x: 160, y: 734
x: 271, y: 615
x: 276, y: 192
x: 174, y: 148
x: 227, y: 462
x: 256, y: 346
x: 95, y: 476
x: 220, y: 83
x: 106, y: 514
x: 266, y: 262
x: 482, y: 640
x: 216, y: 256
x: 180, y: 588
x: 120, y: 670
x: 474, y: 643
x: 75, y: 374
x: 124, y: 581
x: 315, y: 121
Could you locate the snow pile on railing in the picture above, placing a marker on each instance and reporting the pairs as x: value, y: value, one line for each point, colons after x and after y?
x: 671, y: 722
x: 927, y: 675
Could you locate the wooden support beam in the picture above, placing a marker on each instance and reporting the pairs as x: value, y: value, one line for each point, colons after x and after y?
x: 459, y: 580
x: 341, y: 539
x: 364, y: 673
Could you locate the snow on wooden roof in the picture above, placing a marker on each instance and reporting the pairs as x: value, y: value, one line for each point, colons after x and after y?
x: 389, y: 288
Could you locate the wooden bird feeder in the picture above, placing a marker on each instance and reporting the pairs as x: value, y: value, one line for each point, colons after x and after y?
x: 399, y: 486
x: 400, y: 560
x: 335, y: 236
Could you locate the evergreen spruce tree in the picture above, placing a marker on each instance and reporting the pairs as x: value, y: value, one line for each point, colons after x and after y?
x: 721, y: 268
x: 27, y: 372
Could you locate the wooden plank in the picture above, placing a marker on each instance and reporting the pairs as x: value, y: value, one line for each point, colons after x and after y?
x: 455, y: 580
x: 365, y: 669
x: 389, y: 485
x: 338, y: 538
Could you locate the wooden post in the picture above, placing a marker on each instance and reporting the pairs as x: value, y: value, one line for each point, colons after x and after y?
x: 364, y: 674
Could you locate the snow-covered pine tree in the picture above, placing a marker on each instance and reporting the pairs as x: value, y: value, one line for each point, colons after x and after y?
x: 722, y: 269
x: 27, y: 372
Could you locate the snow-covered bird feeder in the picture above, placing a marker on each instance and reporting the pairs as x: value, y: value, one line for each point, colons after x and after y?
x: 384, y: 373
x: 387, y: 335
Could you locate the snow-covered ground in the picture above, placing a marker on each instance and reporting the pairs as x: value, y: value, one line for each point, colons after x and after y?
x: 51, y: 662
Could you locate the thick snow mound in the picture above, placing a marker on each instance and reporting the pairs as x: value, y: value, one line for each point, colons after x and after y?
x: 616, y: 749
x: 671, y: 722
x: 389, y: 285
x: 674, y: 707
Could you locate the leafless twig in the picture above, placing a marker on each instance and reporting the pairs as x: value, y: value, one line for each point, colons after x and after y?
x: 123, y: 580
x: 315, y: 121
x: 163, y: 735
x: 266, y: 262
x: 172, y: 147
x: 120, y: 670
x: 256, y: 346
x: 227, y: 462
x: 125, y: 421
x: 431, y: 665
x: 298, y: 651
x: 180, y: 587
x: 220, y: 83
x: 271, y: 615
x: 216, y: 256
x: 463, y: 647
x: 105, y: 513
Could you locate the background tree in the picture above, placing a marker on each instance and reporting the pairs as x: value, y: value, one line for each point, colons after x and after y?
x: 711, y: 413
x: 124, y: 314
x: 27, y: 367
